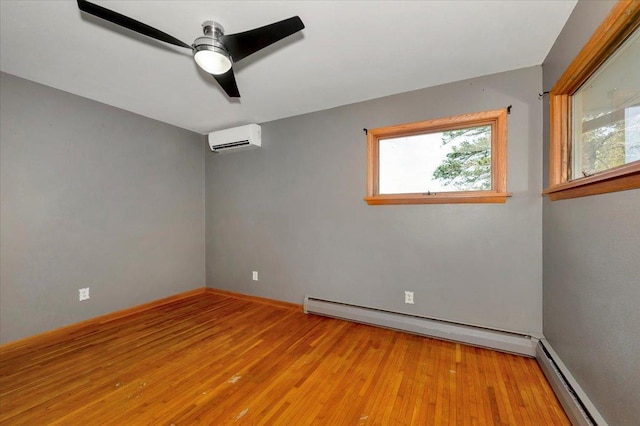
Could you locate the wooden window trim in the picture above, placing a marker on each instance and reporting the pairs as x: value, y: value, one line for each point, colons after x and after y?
x: 621, y: 22
x: 497, y: 119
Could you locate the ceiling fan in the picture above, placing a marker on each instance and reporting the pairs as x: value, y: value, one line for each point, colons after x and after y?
x: 214, y: 52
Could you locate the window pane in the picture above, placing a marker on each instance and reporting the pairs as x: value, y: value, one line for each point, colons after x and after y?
x: 606, y: 114
x: 453, y: 160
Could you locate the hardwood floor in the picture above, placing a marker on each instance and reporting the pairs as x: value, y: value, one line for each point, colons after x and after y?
x: 216, y: 359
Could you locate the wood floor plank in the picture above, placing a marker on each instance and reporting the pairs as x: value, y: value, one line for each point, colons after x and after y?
x: 213, y: 358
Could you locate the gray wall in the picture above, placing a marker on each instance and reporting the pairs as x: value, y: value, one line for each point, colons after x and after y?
x: 591, y: 268
x: 294, y: 211
x: 92, y: 196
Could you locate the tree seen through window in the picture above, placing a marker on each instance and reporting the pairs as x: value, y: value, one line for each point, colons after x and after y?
x: 468, y: 165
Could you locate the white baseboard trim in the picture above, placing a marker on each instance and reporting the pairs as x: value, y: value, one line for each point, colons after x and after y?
x: 574, y: 400
x: 446, y: 330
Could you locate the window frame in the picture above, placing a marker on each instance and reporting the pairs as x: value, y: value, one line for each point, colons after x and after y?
x: 622, y: 21
x: 497, y: 119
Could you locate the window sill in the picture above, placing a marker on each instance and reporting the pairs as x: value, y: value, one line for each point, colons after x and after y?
x: 619, y: 179
x: 440, y: 198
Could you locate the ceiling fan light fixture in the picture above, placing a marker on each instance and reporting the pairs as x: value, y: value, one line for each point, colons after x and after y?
x: 211, y: 56
x: 214, y: 61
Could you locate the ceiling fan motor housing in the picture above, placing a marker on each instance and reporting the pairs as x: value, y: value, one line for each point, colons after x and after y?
x: 209, y: 42
x: 212, y: 30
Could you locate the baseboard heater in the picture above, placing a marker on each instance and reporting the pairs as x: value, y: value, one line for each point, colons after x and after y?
x: 446, y: 330
x: 574, y: 400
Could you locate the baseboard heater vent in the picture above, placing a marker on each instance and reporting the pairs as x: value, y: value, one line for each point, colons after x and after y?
x: 574, y: 400
x: 473, y: 335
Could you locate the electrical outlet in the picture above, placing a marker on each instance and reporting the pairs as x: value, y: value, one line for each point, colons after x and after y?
x: 255, y: 275
x: 83, y: 294
x: 408, y: 297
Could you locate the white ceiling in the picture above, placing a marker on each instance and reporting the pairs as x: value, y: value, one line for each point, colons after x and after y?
x: 349, y: 51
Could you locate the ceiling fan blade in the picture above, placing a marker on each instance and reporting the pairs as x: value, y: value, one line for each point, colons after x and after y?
x: 132, y: 24
x: 241, y: 45
x: 228, y: 82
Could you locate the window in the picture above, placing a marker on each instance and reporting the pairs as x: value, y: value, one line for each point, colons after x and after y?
x: 595, y: 112
x: 461, y: 159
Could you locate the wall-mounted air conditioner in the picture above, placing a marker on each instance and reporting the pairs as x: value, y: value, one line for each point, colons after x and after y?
x: 235, y: 139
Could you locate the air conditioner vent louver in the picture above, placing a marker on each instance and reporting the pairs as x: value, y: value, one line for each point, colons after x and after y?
x: 236, y: 139
x: 230, y: 145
